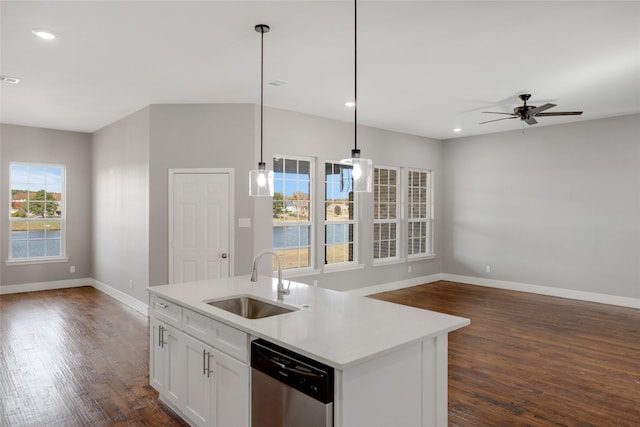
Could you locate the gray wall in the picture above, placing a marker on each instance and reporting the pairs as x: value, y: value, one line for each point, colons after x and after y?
x: 199, y: 136
x: 558, y: 206
x: 72, y: 149
x: 227, y: 136
x: 291, y: 133
x: 121, y: 205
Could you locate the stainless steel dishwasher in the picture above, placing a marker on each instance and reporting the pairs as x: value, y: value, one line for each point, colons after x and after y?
x: 288, y: 389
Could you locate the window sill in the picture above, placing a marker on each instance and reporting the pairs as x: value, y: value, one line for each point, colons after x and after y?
x: 421, y: 257
x: 393, y: 261
x: 288, y: 274
x: 28, y: 261
x: 342, y: 267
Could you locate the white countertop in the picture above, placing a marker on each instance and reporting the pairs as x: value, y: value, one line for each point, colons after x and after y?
x: 335, y: 328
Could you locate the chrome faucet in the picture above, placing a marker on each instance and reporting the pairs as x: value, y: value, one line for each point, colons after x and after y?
x: 254, y: 273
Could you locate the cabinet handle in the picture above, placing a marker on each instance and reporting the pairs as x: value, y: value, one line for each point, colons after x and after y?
x: 162, y: 305
x: 161, y: 330
x: 206, y: 363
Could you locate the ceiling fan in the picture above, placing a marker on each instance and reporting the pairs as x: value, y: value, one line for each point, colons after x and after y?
x: 528, y: 113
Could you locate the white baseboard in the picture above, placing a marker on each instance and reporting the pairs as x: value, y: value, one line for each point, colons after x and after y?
x: 545, y: 290
x: 76, y: 283
x: 121, y: 296
x: 45, y: 286
x: 392, y: 286
x: 369, y: 290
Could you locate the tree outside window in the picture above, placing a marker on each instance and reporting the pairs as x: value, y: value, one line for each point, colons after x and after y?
x: 292, y: 207
x: 36, y: 211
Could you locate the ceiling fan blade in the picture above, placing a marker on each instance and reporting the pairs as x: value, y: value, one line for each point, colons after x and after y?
x: 541, y: 108
x: 495, y: 112
x: 531, y: 121
x: 561, y: 113
x: 506, y: 118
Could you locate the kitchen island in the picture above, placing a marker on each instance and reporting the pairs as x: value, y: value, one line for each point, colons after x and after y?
x: 390, y: 360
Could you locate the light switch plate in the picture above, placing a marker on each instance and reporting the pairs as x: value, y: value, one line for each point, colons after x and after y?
x: 244, y: 222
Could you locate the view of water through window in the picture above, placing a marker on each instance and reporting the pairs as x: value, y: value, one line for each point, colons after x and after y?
x: 36, y: 211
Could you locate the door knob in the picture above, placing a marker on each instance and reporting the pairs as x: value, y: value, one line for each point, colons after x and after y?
x: 224, y: 256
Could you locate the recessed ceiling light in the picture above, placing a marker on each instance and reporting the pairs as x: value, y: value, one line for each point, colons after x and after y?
x: 350, y: 104
x: 457, y: 130
x: 12, y: 80
x: 44, y: 34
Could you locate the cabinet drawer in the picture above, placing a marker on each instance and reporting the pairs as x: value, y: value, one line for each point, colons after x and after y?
x: 166, y: 311
x: 230, y: 340
x: 197, y: 325
x: 223, y: 337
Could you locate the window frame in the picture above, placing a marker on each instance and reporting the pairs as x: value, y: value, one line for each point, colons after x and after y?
x: 337, y: 266
x: 311, y: 223
x: 62, y: 219
x: 398, y: 221
x: 429, y: 251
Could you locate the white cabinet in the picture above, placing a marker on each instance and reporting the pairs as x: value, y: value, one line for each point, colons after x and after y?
x: 157, y: 352
x: 166, y: 311
x: 165, y: 357
x: 199, y: 366
x: 231, y: 394
x: 199, y: 380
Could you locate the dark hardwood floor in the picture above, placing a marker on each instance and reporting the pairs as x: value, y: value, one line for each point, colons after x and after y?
x: 76, y: 357
x: 533, y: 360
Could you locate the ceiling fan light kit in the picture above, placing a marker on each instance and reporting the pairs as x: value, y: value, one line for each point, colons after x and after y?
x: 528, y: 113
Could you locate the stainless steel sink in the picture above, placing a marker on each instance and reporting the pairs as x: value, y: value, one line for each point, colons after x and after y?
x: 250, y: 308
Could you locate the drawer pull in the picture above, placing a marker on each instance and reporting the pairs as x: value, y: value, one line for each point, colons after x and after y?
x: 162, y: 305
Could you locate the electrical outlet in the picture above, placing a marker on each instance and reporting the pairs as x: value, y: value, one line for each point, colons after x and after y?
x: 487, y: 269
x: 409, y: 269
x: 72, y: 269
x: 131, y: 284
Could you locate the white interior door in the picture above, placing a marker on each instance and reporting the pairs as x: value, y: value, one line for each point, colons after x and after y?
x: 200, y: 247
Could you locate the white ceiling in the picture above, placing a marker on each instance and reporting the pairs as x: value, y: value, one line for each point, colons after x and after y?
x: 424, y: 67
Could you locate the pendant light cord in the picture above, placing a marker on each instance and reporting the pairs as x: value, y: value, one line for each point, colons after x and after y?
x: 355, y: 73
x: 261, y: 88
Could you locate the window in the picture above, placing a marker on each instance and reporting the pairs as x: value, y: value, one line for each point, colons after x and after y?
x: 420, y: 213
x: 36, y: 212
x: 385, y: 213
x: 340, y: 224
x: 292, y: 207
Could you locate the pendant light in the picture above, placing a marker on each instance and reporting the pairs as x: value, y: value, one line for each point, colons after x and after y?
x: 261, y: 179
x: 362, y: 169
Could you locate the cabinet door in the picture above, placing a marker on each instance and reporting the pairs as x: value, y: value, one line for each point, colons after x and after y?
x: 199, y: 378
x: 174, y: 381
x: 157, y: 360
x: 231, y: 393
x: 210, y: 387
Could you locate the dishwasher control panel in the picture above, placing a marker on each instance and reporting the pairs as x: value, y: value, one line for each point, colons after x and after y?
x: 312, y: 378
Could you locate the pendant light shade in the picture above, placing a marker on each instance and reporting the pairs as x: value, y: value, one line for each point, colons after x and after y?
x: 261, y: 179
x: 361, y: 172
x: 362, y: 169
